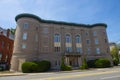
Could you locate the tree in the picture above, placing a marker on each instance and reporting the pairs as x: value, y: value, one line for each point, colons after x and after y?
x: 115, y: 56
x: 84, y: 65
x: 114, y: 52
x: 12, y: 31
x: 65, y: 67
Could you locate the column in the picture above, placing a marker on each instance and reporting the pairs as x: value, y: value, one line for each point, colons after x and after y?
x: 79, y: 61
x: 67, y: 60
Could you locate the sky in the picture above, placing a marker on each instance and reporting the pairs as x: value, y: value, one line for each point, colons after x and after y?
x: 75, y: 11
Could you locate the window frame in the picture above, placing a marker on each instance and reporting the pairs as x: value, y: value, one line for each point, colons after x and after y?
x: 88, y: 41
x: 98, y: 50
x: 96, y: 41
x: 25, y: 25
x: 68, y: 38
x: 94, y: 33
x: 57, y: 38
x: 24, y: 37
x: 77, y: 39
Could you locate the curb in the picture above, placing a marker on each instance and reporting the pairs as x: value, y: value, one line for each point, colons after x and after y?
x: 12, y: 74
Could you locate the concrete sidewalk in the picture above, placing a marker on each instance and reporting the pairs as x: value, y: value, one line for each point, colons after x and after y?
x: 4, y: 73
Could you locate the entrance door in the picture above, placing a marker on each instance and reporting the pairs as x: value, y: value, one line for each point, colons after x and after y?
x: 73, y: 61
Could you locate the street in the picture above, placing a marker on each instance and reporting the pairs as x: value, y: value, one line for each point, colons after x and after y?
x: 97, y: 74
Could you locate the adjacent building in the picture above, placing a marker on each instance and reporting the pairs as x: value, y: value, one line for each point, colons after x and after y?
x: 37, y: 39
x: 112, y: 45
x: 6, y: 49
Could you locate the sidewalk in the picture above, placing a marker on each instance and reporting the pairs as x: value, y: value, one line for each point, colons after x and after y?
x: 8, y: 73
x: 2, y: 74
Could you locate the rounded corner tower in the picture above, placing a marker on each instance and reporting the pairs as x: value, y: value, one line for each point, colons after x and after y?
x: 27, y: 28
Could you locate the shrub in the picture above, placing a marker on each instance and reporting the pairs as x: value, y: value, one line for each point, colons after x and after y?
x: 64, y: 67
x: 43, y: 66
x: 1, y: 69
x: 29, y: 67
x: 102, y: 63
x: 84, y: 65
x: 91, y: 63
x: 115, y: 61
x: 68, y: 68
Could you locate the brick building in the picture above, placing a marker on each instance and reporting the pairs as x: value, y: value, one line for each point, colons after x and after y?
x: 38, y: 39
x: 6, y: 49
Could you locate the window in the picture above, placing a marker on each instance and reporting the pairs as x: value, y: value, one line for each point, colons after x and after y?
x: 78, y: 43
x: 45, y: 30
x: 78, y: 39
x: 25, y: 26
x: 57, y: 63
x: 2, y: 44
x: 57, y: 49
x: 56, y: 38
x: 68, y: 43
x: 68, y: 49
x: 68, y: 38
x: 8, y: 46
x: 23, y: 46
x: 98, y: 50
x: 105, y: 40
x: 94, y: 33
x: 79, y: 49
x: 6, y: 58
x: 57, y: 42
x: 88, y: 41
x: 88, y: 50
x: 0, y: 55
x: 108, y: 50
x: 36, y: 38
x: 96, y: 41
x: 86, y: 33
x: 24, y: 36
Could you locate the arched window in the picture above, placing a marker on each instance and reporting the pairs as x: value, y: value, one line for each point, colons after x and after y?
x: 78, y: 40
x: 57, y: 43
x: 68, y: 43
x: 68, y: 38
x: 78, y: 43
x: 56, y: 38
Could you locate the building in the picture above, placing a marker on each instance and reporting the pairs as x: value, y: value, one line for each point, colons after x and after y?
x: 11, y: 36
x: 6, y: 49
x: 112, y: 45
x: 38, y: 39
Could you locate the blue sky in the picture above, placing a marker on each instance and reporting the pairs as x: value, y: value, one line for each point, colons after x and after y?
x: 77, y: 11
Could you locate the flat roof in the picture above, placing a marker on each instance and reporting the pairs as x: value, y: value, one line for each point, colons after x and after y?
x: 58, y: 22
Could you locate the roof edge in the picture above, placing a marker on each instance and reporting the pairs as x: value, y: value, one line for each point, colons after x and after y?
x: 57, y: 22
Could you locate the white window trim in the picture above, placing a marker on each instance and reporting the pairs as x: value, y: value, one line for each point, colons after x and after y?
x: 96, y: 41
x: 25, y: 25
x: 98, y: 50
x: 24, y: 37
x: 94, y: 33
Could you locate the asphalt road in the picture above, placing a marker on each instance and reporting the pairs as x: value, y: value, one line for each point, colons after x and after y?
x: 98, y: 74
